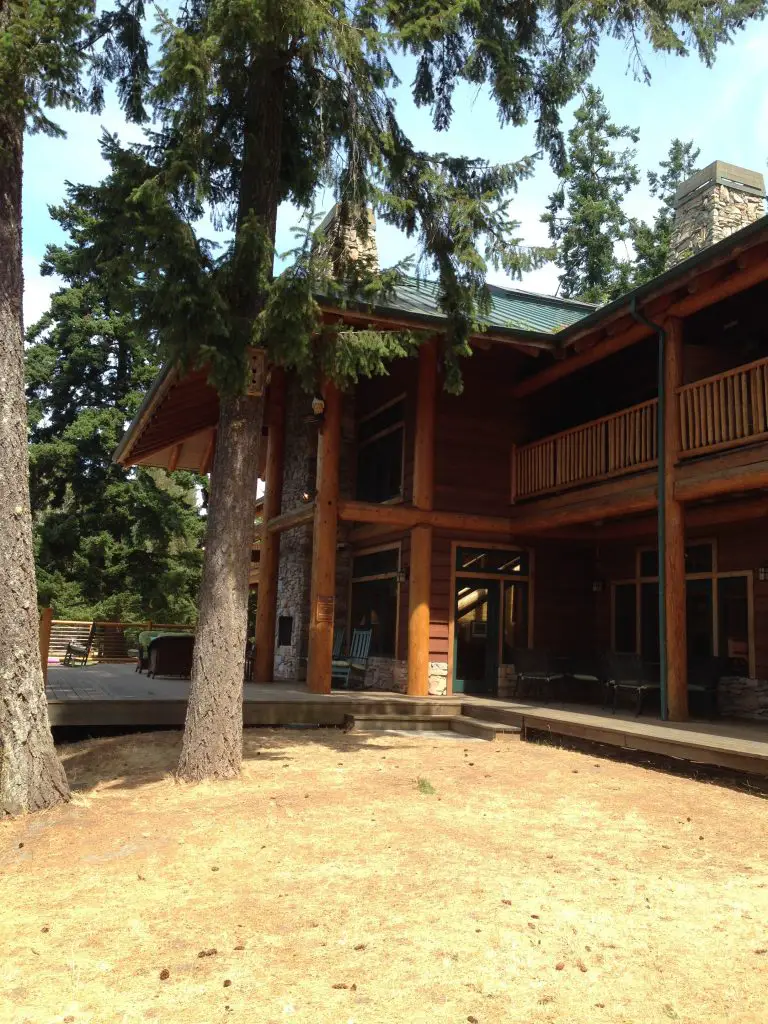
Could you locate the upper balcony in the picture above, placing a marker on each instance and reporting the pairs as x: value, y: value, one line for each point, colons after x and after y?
x: 717, y: 413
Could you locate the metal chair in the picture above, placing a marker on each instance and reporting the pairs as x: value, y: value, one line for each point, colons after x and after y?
x: 628, y: 672
x: 538, y: 670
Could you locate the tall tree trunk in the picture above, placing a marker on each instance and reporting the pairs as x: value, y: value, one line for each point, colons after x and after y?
x: 213, y: 732
x: 31, y: 775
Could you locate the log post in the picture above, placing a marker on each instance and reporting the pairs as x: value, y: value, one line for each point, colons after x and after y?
x: 674, y: 519
x: 269, y: 560
x: 46, y: 618
x: 324, y: 536
x: 421, y: 536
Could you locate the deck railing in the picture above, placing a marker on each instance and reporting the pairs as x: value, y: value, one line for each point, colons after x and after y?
x: 624, y: 442
x: 728, y: 409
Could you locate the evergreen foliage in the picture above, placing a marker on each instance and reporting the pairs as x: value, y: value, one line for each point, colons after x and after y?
x: 109, y: 543
x: 586, y: 217
x: 651, y: 241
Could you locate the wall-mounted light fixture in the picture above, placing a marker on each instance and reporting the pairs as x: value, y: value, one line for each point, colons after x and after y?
x: 762, y: 573
x: 598, y: 586
x: 402, y: 576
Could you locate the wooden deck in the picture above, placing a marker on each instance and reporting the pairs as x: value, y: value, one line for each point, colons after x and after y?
x: 115, y: 695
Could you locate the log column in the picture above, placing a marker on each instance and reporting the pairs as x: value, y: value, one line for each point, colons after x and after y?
x: 269, y: 561
x: 324, y: 535
x: 421, y: 536
x: 674, y: 523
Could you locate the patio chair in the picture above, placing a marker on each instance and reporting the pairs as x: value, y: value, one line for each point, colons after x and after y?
x: 629, y: 672
x: 171, y: 655
x: 250, y: 656
x: 349, y: 672
x: 703, y: 676
x: 338, y: 642
x: 585, y: 672
x: 537, y: 671
x: 77, y: 652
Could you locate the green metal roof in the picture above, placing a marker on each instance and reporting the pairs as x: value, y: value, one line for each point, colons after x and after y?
x: 511, y: 309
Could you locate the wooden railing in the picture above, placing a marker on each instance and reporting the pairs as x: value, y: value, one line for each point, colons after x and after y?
x: 105, y: 641
x: 728, y: 409
x: 624, y: 442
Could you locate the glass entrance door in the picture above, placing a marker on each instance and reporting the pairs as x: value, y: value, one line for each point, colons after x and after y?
x: 477, y: 617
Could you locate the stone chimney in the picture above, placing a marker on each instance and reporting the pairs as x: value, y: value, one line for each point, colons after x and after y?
x: 348, y: 243
x: 713, y: 204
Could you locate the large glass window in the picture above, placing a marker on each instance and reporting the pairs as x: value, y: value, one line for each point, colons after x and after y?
x: 733, y: 622
x: 374, y: 603
x: 380, y: 440
x: 625, y: 618
x: 716, y: 609
x: 514, y: 619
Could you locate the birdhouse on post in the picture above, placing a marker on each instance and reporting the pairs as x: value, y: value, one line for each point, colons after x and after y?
x: 258, y: 375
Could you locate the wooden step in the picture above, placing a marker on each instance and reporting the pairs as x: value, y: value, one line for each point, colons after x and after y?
x: 411, y: 723
x: 488, y: 713
x: 467, y: 726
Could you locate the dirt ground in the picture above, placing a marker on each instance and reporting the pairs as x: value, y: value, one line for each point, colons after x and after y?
x: 360, y: 880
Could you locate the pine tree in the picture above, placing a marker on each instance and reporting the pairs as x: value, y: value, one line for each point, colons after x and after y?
x: 651, y: 241
x: 586, y: 216
x: 109, y: 543
x: 258, y: 103
x: 45, y: 46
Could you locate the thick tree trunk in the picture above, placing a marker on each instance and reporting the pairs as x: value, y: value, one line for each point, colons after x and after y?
x: 213, y: 733
x: 31, y: 775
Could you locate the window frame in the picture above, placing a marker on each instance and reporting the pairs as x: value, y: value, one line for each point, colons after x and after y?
x: 374, y: 577
x: 714, y: 576
x: 360, y: 445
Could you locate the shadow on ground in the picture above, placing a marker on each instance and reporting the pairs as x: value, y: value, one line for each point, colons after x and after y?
x: 131, y: 760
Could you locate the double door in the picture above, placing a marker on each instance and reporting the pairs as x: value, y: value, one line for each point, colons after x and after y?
x: 490, y: 620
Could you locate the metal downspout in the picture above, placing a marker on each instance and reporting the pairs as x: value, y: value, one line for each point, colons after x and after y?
x: 662, y: 496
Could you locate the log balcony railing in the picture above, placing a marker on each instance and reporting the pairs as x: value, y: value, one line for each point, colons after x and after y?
x: 719, y: 412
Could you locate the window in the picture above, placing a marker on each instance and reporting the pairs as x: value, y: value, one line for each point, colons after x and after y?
x: 625, y: 618
x: 380, y: 440
x: 375, y: 598
x: 733, y: 622
x: 492, y: 560
x: 284, y: 630
x: 717, y: 609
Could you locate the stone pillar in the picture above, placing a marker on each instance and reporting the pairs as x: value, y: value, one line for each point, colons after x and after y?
x: 293, y: 580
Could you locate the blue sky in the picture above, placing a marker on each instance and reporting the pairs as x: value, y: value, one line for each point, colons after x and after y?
x: 723, y: 109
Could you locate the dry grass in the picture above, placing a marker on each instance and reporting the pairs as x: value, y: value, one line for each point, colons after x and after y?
x: 534, y: 884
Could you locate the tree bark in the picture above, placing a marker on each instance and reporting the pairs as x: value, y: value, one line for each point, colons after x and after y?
x: 31, y: 775
x: 213, y: 733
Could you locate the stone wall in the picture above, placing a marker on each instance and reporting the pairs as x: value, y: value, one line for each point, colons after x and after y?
x: 386, y: 674
x: 438, y: 678
x: 708, y: 215
x: 743, y: 698
x: 293, y: 581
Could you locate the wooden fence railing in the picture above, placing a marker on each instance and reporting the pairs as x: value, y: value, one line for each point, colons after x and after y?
x: 624, y: 442
x: 728, y: 409
x: 113, y: 642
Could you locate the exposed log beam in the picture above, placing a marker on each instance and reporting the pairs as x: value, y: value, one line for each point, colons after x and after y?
x: 173, y: 461
x: 210, y: 450
x: 299, y: 516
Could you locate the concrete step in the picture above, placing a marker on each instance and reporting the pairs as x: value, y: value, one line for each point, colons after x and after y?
x: 470, y: 726
x: 410, y: 722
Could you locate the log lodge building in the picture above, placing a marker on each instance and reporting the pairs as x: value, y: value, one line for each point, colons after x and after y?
x: 526, y: 512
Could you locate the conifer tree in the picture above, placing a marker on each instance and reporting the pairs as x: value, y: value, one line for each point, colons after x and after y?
x: 261, y: 102
x: 586, y: 216
x: 109, y: 543
x: 45, y: 47
x: 651, y: 241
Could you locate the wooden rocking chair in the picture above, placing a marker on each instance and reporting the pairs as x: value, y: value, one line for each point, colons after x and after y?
x: 349, y: 672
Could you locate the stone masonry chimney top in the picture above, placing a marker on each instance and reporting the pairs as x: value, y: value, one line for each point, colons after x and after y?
x: 348, y: 243
x: 711, y: 205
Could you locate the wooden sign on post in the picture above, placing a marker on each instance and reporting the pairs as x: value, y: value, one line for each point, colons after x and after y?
x: 324, y: 609
x: 258, y: 377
